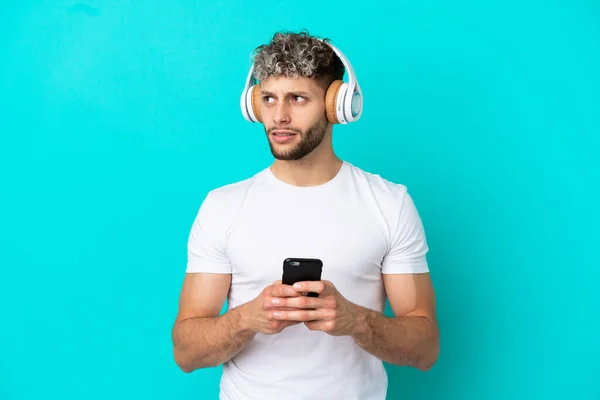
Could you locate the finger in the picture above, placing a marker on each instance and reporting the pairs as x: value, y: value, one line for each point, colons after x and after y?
x: 298, y: 315
x: 270, y: 304
x: 280, y: 325
x: 324, y: 326
x: 298, y: 302
x: 315, y: 325
x: 280, y: 290
x: 285, y: 324
x: 319, y: 287
x: 277, y: 307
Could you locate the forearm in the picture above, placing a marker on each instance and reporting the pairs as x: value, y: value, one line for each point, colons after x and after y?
x: 407, y: 341
x: 209, y: 342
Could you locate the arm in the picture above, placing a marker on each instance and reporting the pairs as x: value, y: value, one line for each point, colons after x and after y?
x: 202, y: 338
x: 411, y: 337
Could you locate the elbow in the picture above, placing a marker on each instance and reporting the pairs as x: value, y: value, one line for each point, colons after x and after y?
x: 181, y: 354
x: 431, y: 354
x: 186, y: 362
x: 425, y: 364
x: 187, y: 365
x: 424, y: 367
x: 185, y: 369
x: 182, y: 361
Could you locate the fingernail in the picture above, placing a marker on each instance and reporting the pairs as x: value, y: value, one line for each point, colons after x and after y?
x: 275, y: 301
x: 277, y: 314
x: 297, y: 286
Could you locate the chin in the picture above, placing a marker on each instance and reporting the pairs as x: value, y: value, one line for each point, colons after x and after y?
x: 284, y: 152
x: 283, y: 155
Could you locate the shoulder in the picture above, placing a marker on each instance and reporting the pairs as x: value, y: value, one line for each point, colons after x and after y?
x: 234, y: 193
x: 222, y: 204
x: 387, y: 192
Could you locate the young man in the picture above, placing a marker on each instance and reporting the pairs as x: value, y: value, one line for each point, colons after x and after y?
x: 274, y: 342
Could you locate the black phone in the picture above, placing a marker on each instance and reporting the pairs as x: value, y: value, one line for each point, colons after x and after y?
x: 301, y: 270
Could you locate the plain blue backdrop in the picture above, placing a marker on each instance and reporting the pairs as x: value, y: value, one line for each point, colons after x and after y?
x: 116, y: 119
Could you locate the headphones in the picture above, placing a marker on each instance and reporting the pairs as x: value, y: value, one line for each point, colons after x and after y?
x: 343, y: 100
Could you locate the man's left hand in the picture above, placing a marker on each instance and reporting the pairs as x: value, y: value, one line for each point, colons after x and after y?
x: 330, y: 312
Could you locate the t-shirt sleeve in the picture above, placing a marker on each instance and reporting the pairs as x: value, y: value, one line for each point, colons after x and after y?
x: 206, y: 241
x: 408, y: 244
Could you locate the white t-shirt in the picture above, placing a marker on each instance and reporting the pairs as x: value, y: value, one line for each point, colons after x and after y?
x: 360, y: 225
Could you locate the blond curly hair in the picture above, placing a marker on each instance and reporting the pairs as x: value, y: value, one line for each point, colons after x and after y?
x: 297, y: 54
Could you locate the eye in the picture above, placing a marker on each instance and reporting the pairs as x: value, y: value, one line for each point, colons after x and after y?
x: 267, y: 99
x: 299, y: 99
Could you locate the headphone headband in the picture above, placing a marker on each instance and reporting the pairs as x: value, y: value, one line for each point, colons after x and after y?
x: 343, y: 100
x: 352, y: 82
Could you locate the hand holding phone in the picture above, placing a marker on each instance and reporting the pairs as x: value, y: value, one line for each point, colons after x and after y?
x: 302, y: 270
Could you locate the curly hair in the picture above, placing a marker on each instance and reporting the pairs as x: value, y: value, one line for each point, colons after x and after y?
x: 298, y: 54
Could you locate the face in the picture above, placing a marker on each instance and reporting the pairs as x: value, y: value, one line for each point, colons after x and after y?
x: 293, y: 113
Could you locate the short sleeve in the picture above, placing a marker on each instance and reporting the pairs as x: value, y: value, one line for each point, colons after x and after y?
x: 408, y: 244
x: 206, y: 241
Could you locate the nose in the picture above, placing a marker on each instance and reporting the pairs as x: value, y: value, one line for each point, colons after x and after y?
x: 281, y: 114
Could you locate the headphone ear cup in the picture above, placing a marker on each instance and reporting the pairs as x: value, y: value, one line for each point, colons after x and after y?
x: 256, y: 102
x: 244, y: 106
x: 331, y: 101
x: 250, y: 108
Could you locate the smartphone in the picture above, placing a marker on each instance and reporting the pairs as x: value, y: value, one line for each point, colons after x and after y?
x: 301, y: 270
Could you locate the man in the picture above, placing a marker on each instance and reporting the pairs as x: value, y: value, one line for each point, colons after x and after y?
x: 274, y: 342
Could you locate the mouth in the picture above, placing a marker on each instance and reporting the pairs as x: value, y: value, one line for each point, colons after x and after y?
x: 283, y: 136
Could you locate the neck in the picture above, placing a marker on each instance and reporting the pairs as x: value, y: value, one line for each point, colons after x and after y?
x: 313, y: 170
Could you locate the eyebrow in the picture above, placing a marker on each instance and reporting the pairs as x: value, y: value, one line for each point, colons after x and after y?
x: 292, y: 93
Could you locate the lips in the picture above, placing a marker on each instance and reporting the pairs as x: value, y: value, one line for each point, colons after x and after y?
x: 283, y: 133
x: 283, y: 136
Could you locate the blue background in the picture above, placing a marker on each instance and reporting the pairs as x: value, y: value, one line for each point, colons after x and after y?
x: 116, y: 118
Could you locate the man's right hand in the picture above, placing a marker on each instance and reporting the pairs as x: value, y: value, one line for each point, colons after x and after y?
x: 258, y: 314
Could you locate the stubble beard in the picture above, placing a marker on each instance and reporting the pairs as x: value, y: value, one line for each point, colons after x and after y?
x: 310, y: 140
